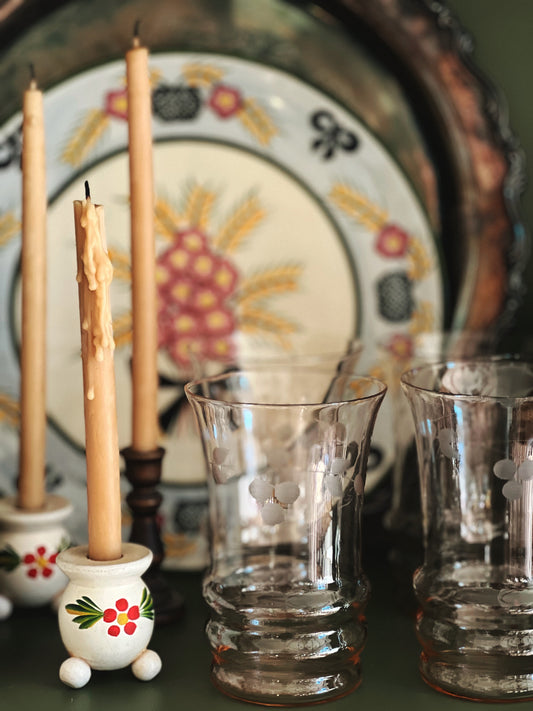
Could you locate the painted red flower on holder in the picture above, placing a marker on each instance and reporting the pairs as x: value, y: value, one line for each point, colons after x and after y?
x: 39, y: 563
x: 123, y: 615
x: 87, y: 613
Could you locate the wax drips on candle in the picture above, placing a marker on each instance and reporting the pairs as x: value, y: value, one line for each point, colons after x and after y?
x: 97, y: 269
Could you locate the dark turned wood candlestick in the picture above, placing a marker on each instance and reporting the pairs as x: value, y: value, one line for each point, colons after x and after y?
x: 143, y: 471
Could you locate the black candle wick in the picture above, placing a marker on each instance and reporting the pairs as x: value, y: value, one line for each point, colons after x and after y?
x: 87, y: 190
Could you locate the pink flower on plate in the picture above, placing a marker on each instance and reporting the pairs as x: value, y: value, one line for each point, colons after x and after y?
x: 225, y: 101
x: 205, y: 298
x: 202, y: 268
x: 220, y: 348
x: 218, y: 322
x: 116, y: 104
x: 195, y: 313
x: 392, y: 241
x: 193, y: 240
x: 182, y: 292
x: 401, y: 346
x: 225, y: 276
x: 181, y: 349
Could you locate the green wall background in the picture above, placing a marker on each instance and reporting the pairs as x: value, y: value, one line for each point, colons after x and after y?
x: 502, y: 33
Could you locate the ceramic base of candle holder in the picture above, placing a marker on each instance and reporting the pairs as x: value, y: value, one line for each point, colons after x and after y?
x: 106, y: 615
x: 29, y: 544
x: 143, y: 471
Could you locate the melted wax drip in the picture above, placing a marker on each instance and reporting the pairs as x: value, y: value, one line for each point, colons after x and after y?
x: 98, y: 271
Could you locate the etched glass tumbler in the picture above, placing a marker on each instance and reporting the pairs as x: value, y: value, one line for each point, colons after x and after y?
x: 286, y: 450
x: 474, y: 436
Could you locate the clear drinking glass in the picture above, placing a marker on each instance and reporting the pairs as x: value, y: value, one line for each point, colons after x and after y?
x: 425, y: 347
x: 403, y: 520
x: 474, y: 435
x: 286, y: 450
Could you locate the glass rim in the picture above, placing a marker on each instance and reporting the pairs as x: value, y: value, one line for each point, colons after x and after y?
x: 504, y: 358
x: 306, y: 358
x: 381, y: 387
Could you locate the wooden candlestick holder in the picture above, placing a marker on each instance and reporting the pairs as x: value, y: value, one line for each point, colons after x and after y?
x: 143, y: 471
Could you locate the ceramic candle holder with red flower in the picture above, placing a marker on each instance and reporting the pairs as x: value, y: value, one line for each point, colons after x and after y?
x: 29, y: 544
x: 106, y: 615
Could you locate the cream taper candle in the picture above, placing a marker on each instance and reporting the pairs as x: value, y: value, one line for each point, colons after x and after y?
x: 144, y: 296
x: 94, y: 277
x: 31, y: 482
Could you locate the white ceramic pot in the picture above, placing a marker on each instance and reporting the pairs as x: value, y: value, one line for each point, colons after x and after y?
x: 106, y: 614
x: 29, y: 544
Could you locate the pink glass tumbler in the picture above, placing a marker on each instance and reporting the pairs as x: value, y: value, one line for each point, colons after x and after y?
x: 286, y: 451
x: 474, y: 434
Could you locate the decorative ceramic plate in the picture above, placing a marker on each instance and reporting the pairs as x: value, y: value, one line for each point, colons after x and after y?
x: 297, y: 207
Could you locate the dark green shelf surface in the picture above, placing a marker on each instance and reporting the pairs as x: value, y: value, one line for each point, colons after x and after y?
x: 31, y: 653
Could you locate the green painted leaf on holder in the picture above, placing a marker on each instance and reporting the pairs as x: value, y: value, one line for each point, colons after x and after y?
x: 9, y: 558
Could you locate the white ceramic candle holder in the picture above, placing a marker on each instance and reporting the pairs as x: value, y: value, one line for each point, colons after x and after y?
x: 29, y: 544
x: 106, y: 615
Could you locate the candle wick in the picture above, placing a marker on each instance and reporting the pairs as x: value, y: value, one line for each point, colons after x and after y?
x: 136, y: 39
x: 87, y: 190
x: 33, y: 80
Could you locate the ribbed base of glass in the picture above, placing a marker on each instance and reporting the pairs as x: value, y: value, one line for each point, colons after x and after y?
x: 285, y: 682
x: 287, y: 662
x: 476, y: 632
x: 479, y: 677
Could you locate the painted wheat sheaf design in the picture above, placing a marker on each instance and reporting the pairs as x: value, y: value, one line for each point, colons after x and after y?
x: 9, y: 227
x: 9, y: 410
x: 398, y: 302
x: 203, y: 88
x: 95, y: 122
x: 227, y: 101
x: 203, y: 299
x: 395, y: 244
x: 392, y: 240
x: 92, y: 127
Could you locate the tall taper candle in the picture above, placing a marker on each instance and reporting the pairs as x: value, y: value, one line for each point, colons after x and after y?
x: 144, y: 295
x: 94, y: 277
x: 31, y: 483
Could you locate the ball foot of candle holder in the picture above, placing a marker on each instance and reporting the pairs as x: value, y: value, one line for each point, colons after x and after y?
x: 106, y: 615
x: 143, y: 471
x: 29, y: 544
x: 6, y: 607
